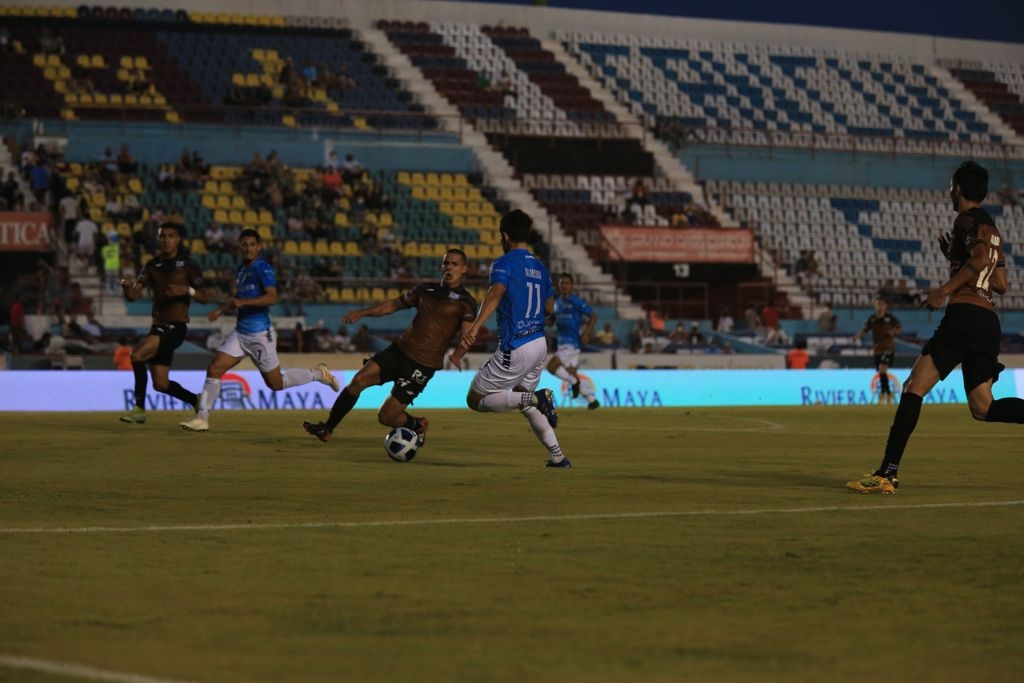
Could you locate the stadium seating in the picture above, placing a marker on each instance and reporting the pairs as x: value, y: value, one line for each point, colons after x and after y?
x: 501, y: 78
x: 175, y: 67
x: 999, y: 86
x: 864, y: 238
x: 760, y: 95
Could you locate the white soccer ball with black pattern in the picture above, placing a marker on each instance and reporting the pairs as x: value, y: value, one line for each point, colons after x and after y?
x: 401, y: 444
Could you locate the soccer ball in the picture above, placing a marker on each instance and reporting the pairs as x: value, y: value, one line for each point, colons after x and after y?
x: 401, y: 444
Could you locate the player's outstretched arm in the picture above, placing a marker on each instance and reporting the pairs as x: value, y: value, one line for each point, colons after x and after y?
x: 131, y: 287
x: 377, y: 310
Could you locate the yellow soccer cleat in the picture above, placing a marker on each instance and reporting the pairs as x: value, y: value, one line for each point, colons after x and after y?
x: 874, y: 483
x: 196, y: 424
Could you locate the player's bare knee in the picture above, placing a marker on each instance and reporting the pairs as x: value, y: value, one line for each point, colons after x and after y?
x: 979, y: 409
x: 473, y: 400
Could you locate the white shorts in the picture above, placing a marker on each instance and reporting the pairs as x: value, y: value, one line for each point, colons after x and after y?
x: 569, y: 355
x: 260, y: 346
x: 509, y: 369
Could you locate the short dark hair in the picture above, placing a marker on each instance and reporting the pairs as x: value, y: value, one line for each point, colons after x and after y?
x: 516, y: 224
x: 456, y: 250
x: 568, y: 275
x: 177, y: 227
x: 250, y: 232
x: 972, y: 178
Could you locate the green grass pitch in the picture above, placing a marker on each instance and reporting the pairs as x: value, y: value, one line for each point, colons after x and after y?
x: 684, y: 545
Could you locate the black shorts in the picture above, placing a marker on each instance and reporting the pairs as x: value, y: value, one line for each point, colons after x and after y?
x: 885, y: 357
x: 410, y: 377
x: 967, y: 335
x: 172, y: 335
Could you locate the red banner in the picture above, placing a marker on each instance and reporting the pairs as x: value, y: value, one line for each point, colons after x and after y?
x: 25, y: 232
x: 680, y: 245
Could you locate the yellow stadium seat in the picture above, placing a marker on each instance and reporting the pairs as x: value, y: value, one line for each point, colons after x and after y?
x: 220, y: 216
x: 141, y: 62
x: 97, y: 62
x: 53, y: 60
x: 265, y: 218
x: 337, y: 248
x: 385, y: 220
x: 404, y: 178
x: 341, y: 219
x: 235, y: 216
x: 411, y: 249
x: 418, y: 178
x: 238, y: 202
x: 322, y: 248
x: 419, y: 192
x: 198, y: 246
x: 433, y: 178
x: 131, y: 100
x: 250, y: 217
x: 135, y: 185
x: 116, y: 99
x: 266, y: 234
x: 433, y: 192
x: 209, y: 202
x: 306, y: 248
x: 71, y: 98
x: 210, y: 187
x: 352, y: 249
x: 461, y: 179
x: 39, y: 59
x: 259, y: 54
x: 446, y: 194
x: 348, y: 295
x: 447, y: 179
x: 291, y: 247
x: 72, y: 182
x: 82, y: 61
x: 225, y: 187
x: 223, y: 202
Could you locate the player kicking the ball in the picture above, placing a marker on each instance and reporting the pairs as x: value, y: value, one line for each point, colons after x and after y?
x: 442, y: 310
x: 253, y: 336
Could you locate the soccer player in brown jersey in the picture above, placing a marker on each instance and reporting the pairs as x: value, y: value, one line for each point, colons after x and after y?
x: 969, y: 332
x: 174, y: 280
x: 441, y: 311
x: 884, y: 328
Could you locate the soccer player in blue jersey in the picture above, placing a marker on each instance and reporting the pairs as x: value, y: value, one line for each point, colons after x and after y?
x: 253, y: 336
x: 520, y: 291
x: 570, y: 309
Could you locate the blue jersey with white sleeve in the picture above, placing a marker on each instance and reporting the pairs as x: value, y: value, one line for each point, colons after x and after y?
x: 569, y: 312
x: 251, y: 281
x: 527, y: 288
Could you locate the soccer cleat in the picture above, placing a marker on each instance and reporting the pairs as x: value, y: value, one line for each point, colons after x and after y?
x: 564, y: 462
x: 319, y: 430
x: 328, y: 377
x: 422, y: 425
x: 136, y: 417
x: 593, y: 405
x: 196, y: 424
x: 576, y: 389
x: 546, y: 405
x: 873, y: 483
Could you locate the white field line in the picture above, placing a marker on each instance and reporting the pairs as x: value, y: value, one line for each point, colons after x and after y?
x: 272, y: 526
x: 77, y: 670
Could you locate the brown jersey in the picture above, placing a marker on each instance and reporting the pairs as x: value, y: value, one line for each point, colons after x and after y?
x: 883, y: 332
x: 158, y: 274
x: 439, y: 315
x: 972, y: 227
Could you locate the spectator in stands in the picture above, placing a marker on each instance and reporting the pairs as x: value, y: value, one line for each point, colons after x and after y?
x: 828, y: 321
x: 376, y: 200
x: 214, y: 238
x: 797, y: 358
x: 126, y: 164
x: 1007, y: 195
x: 696, y: 338
x: 639, y: 333
x: 131, y: 208
x: 342, y: 342
x: 332, y: 163
x: 85, y: 239
x: 507, y: 88
x: 6, y: 43
x: 606, y: 337
x: 69, y: 209
x: 306, y: 288
x: 363, y: 340
x: 725, y: 323
x: 123, y: 354
x: 771, y: 326
x: 16, y: 321
x: 11, y: 191
x: 112, y: 208
x: 50, y: 44
x: 298, y: 338
x: 679, y: 336
x: 110, y: 258
x: 332, y: 184
x: 39, y: 179
x: 351, y: 170
x: 751, y: 320
x: 655, y: 322
x: 108, y: 168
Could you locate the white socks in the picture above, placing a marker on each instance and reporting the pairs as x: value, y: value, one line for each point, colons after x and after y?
x: 296, y: 377
x: 208, y: 396
x: 542, y: 428
x: 502, y: 401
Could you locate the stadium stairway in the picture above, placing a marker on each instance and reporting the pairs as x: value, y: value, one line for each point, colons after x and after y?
x: 955, y: 86
x: 681, y: 177
x: 500, y: 174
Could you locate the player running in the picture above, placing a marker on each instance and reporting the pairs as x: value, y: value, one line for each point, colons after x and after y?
x: 969, y: 332
x: 521, y: 293
x: 442, y: 310
x: 254, y: 335
x: 175, y: 280
x: 570, y: 309
x: 884, y: 328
